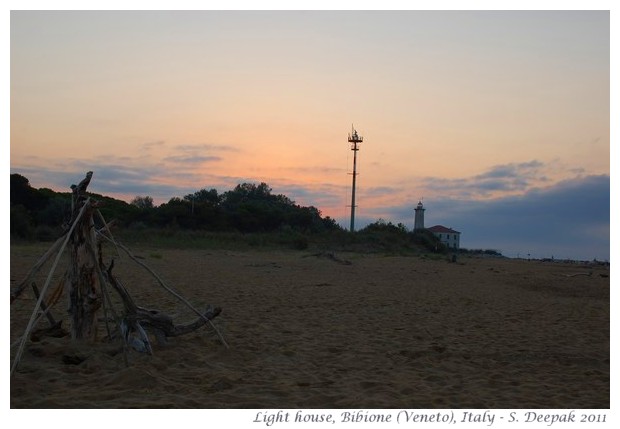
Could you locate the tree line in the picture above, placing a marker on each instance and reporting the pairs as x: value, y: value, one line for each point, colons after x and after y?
x: 248, y: 208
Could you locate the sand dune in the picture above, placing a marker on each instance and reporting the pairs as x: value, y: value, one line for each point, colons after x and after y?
x: 307, y: 331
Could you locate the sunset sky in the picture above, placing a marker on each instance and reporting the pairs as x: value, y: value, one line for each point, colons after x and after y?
x: 498, y: 120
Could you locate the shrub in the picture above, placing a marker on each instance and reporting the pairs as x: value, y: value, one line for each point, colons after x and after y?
x: 428, y: 240
x: 21, y: 222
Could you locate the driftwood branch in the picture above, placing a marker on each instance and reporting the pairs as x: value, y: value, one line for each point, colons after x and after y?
x: 589, y: 274
x: 106, y: 228
x: 79, y: 191
x: 163, y: 322
x: 33, y: 317
x: 159, y: 321
x: 17, y: 291
x: 332, y: 257
x: 44, y: 307
x: 170, y: 290
x: 154, y: 318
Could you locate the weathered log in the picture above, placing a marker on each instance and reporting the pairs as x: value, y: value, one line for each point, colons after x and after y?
x: 84, y: 285
x: 79, y: 191
x: 162, y: 322
x: 162, y: 325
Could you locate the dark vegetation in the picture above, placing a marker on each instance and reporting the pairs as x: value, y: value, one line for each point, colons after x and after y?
x: 248, y: 216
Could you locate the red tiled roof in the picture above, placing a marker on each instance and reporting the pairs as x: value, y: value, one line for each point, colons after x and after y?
x: 441, y: 228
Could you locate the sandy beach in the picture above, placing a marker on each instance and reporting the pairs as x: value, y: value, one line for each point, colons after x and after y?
x: 321, y: 330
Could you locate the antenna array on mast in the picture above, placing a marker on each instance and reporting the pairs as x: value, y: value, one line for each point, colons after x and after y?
x: 355, y: 140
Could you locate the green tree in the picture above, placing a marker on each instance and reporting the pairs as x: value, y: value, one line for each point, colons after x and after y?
x: 57, y: 211
x: 252, y: 208
x: 22, y: 193
x: 144, y: 203
x: 203, y: 196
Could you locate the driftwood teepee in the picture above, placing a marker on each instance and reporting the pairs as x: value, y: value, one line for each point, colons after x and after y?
x: 88, y: 283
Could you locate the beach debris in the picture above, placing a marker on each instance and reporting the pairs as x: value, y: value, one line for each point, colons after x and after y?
x: 54, y: 331
x: 87, y: 282
x: 135, y: 318
x: 330, y: 256
x: 588, y: 274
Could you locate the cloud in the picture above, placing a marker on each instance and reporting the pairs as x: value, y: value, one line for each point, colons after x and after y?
x: 192, y: 159
x: 317, y: 195
x: 570, y: 219
x: 194, y: 148
x: 123, y: 177
x: 112, y: 179
x: 511, y: 170
x: 312, y: 170
x: 150, y: 145
x: 506, y: 178
x: 193, y: 155
x: 380, y: 191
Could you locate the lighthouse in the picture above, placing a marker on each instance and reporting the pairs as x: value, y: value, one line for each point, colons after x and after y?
x: 419, y: 217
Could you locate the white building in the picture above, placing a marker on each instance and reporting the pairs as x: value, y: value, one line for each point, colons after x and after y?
x: 448, y: 236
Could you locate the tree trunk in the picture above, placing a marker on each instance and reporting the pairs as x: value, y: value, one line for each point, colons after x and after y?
x: 84, y: 286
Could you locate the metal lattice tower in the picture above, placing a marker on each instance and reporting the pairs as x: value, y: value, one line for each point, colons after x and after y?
x: 354, y: 139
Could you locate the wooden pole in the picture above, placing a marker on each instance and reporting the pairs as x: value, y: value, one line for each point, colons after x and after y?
x: 84, y: 289
x: 33, y: 317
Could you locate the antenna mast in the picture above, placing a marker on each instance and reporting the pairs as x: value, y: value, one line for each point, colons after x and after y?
x: 354, y: 139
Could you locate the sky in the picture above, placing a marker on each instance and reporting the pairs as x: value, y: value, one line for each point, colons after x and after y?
x: 498, y: 121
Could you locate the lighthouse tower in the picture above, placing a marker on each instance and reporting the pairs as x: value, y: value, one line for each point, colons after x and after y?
x: 419, y: 217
